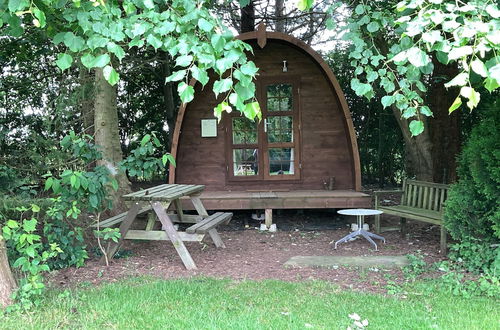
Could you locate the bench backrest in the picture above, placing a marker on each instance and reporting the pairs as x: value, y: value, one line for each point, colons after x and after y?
x: 424, y: 195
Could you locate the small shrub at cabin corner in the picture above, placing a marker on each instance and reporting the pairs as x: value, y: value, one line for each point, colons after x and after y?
x: 472, y: 213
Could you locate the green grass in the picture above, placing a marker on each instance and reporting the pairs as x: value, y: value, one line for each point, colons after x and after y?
x: 203, y: 303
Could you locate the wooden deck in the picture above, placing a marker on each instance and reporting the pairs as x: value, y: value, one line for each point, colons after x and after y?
x: 297, y: 199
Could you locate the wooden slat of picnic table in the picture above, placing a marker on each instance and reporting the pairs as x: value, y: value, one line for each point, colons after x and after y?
x: 149, y: 191
x: 171, y: 194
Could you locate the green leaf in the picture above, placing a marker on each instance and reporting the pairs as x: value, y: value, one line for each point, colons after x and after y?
x: 494, y: 72
x: 252, y: 110
x: 478, y: 66
x: 184, y: 60
x: 12, y: 224
x: 205, y: 25
x: 145, y: 139
x: 114, y: 184
x: 459, y: 52
x: 74, y: 43
x: 200, y: 75
x: 40, y: 15
x: 426, y: 111
x: 48, y: 183
x: 417, y: 57
x: 359, y: 9
x: 471, y: 94
x: 88, y: 60
x: 416, y: 127
x: 176, y: 76
x: 493, y: 11
x: 154, y: 41
x: 387, y: 100
x: 456, y: 104
x: 305, y: 4
x: 459, y: 80
x: 149, y: 4
x: 491, y: 84
x: 35, y: 208
x: 373, y: 27
x: 218, y: 42
x: 29, y: 225
x: 93, y: 201
x: 117, y: 50
x: 222, y: 86
x: 101, y: 61
x: 111, y: 76
x: 64, y: 61
x: 186, y: 92
x: 249, y: 69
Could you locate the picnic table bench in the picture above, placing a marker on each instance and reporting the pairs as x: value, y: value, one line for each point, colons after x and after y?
x: 155, y: 202
x: 421, y: 201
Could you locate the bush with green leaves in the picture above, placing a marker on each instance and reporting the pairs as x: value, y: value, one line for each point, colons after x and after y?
x: 472, y: 213
x: 69, y: 239
x: 30, y: 257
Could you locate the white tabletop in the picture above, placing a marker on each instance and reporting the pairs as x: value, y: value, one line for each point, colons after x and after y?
x: 359, y: 212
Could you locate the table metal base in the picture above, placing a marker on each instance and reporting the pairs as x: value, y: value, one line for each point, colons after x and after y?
x: 361, y: 232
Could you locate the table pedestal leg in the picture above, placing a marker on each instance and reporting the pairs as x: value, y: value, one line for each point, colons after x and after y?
x: 361, y: 232
x: 173, y: 236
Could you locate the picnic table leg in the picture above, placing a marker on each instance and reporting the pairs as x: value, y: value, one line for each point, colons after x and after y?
x: 169, y: 228
x: 178, y: 208
x: 124, y: 227
x: 214, y: 234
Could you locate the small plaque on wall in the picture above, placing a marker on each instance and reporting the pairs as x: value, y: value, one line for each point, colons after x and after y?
x: 209, y: 127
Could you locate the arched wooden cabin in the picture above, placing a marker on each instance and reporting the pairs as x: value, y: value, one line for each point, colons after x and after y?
x: 303, y: 154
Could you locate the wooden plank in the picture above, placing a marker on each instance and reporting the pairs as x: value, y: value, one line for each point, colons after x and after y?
x: 192, y: 189
x: 174, y: 236
x: 148, y: 191
x: 186, y: 218
x: 151, y: 221
x: 160, y: 235
x: 124, y: 227
x: 414, y: 196
x: 268, y: 217
x: 214, y: 235
x: 178, y: 208
x: 119, y: 218
x: 425, y: 201
x: 413, y: 216
x: 436, y: 199
x: 428, y: 184
x: 209, y: 220
x: 420, y: 196
x: 442, y: 199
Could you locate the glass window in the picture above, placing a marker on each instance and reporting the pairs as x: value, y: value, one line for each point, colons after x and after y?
x: 245, y: 162
x: 279, y: 97
x: 281, y: 161
x: 244, y: 131
x: 280, y: 129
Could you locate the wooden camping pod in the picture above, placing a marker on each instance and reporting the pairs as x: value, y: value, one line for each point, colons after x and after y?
x: 313, y: 144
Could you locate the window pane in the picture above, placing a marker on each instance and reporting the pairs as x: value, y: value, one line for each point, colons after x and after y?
x: 279, y: 129
x: 244, y: 131
x: 245, y: 162
x: 279, y: 97
x: 281, y: 161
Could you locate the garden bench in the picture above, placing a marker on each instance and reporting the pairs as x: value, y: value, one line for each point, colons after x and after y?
x: 421, y: 201
x: 209, y: 223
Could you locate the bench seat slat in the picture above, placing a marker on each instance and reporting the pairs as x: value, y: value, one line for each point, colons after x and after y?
x: 413, y: 213
x: 210, y: 222
x: 119, y: 218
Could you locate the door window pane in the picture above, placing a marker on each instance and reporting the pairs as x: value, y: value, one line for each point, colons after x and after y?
x: 245, y: 162
x: 244, y: 131
x: 281, y: 161
x: 279, y: 129
x: 279, y: 97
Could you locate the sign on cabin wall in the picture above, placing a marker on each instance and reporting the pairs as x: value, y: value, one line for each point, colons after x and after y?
x: 209, y: 127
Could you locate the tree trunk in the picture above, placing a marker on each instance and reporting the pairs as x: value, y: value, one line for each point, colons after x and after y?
x: 248, y: 18
x: 280, y: 20
x: 444, y: 128
x: 168, y: 95
x: 419, y: 162
x: 7, y: 282
x: 107, y: 136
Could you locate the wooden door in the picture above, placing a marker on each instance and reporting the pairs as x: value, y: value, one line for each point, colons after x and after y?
x: 268, y: 150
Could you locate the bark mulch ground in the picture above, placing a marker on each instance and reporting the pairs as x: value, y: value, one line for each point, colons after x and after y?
x: 256, y: 255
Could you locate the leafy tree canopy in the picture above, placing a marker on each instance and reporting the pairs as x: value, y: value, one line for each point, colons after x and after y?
x: 394, y: 46
x: 95, y: 33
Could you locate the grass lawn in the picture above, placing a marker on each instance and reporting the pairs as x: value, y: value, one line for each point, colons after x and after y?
x: 203, y: 303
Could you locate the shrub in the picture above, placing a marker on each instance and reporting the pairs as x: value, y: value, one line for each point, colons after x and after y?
x: 472, y: 214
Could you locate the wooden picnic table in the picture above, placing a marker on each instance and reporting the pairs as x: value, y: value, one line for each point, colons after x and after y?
x: 158, y: 199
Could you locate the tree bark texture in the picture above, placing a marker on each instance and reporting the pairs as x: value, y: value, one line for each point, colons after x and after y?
x: 280, y: 19
x: 107, y: 136
x: 247, y: 18
x: 7, y: 282
x: 168, y: 96
x: 87, y: 101
x: 444, y: 128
